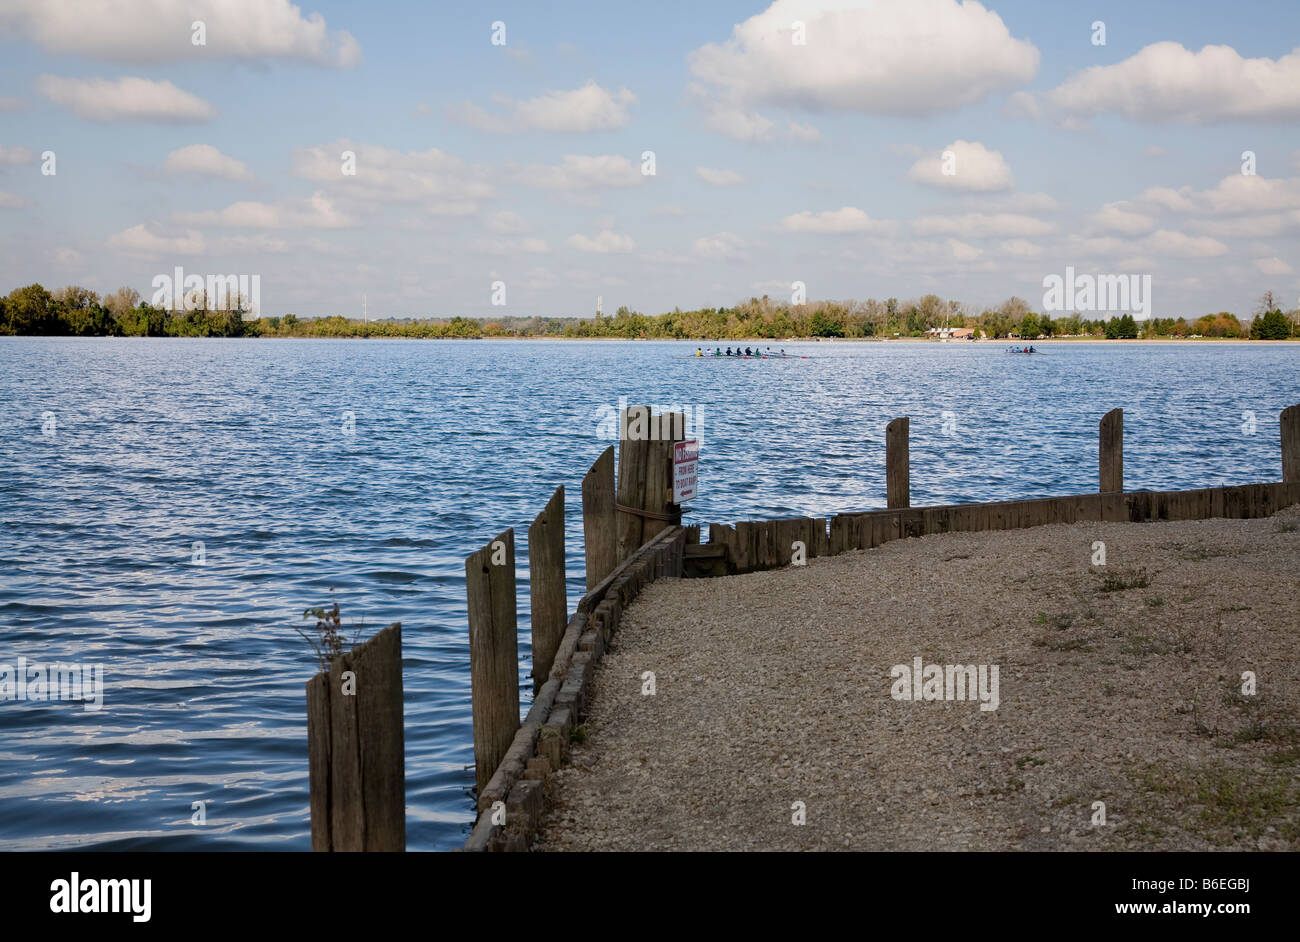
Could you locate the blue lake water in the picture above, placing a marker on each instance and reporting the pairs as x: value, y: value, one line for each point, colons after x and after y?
x: 240, y: 445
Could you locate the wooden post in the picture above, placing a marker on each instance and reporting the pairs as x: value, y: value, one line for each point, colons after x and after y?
x: 633, y: 453
x: 671, y: 427
x: 493, y: 652
x: 599, y: 527
x: 356, y: 752
x: 1291, y: 444
x: 546, y: 585
x: 897, y: 464
x: 1111, y: 451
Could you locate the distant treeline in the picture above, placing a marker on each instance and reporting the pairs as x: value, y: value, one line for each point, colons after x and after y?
x: 77, y: 311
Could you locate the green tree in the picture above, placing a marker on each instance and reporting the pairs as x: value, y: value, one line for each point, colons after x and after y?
x: 1272, y: 325
x: 824, y: 324
x: 1122, y: 328
x: 30, y: 310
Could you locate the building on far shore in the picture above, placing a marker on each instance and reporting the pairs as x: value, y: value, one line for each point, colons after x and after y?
x: 950, y: 333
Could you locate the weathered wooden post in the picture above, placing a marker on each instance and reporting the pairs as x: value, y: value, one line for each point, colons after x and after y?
x: 493, y: 652
x: 1111, y: 451
x: 1291, y: 444
x: 633, y: 456
x: 599, y: 527
x: 661, y: 513
x: 356, y: 752
x: 549, y: 602
x: 898, y: 475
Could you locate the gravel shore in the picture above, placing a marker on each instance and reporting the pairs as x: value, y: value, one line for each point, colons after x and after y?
x: 1119, y: 684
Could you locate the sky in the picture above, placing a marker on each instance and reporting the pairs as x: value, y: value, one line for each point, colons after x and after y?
x: 675, y: 154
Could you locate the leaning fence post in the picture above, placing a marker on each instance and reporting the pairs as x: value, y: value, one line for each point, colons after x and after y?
x: 897, y: 464
x: 356, y: 749
x: 493, y: 652
x: 1111, y: 451
x: 599, y: 527
x: 549, y: 603
x: 1291, y: 444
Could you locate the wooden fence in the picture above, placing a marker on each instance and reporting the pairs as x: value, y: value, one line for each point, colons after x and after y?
x: 752, y: 545
x: 632, y: 536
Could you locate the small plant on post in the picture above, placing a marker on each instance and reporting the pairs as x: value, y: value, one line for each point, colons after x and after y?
x: 355, y: 738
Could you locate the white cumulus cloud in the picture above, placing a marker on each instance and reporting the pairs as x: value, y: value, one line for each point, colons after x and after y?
x: 589, y: 108
x: 144, y: 240
x: 206, y: 160
x: 441, y: 182
x: 315, y: 212
x: 1180, y: 245
x: 722, y: 246
x: 973, y: 167
x: 152, y: 31
x: 840, y: 221
x: 1273, y: 266
x: 127, y: 99
x: 580, y: 172
x: 866, y: 56
x: 1118, y: 217
x: 1165, y: 82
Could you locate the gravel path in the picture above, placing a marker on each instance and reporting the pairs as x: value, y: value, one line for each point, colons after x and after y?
x: 1118, y: 684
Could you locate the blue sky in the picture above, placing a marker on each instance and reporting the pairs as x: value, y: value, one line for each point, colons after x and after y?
x: 775, y: 162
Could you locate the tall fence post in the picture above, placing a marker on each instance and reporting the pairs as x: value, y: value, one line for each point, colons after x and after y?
x: 493, y: 652
x: 549, y: 602
x: 667, y: 428
x: 1111, y: 451
x: 599, y: 527
x: 633, y: 456
x: 1291, y: 444
x: 898, y: 474
x: 356, y: 751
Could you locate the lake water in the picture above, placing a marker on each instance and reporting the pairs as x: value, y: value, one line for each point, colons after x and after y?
x: 116, y: 456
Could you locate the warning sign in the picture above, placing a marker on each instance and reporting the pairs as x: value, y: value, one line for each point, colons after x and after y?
x: 685, y: 480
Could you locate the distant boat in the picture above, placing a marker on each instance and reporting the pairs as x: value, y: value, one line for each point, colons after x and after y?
x: 756, y: 355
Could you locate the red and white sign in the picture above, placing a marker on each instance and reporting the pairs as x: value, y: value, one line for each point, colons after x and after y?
x: 685, y: 480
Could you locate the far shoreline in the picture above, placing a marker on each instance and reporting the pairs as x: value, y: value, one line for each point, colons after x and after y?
x: 698, y: 341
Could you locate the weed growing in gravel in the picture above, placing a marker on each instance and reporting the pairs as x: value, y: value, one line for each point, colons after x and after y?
x: 1119, y: 581
x: 1062, y: 644
x: 1200, y: 551
x: 1155, y: 601
x: 1285, y: 526
x: 1141, y: 644
x: 1223, y: 803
